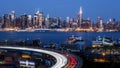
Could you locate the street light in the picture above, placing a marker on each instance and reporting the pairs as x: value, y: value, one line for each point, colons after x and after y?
x: 103, y: 54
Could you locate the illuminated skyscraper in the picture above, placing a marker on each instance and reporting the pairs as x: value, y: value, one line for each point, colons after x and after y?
x: 24, y: 21
x: 99, y: 20
x: 6, y: 21
x: 67, y: 19
x: 12, y: 15
x: 47, y: 21
x: 12, y: 18
x: 38, y: 19
x: 79, y: 16
x: 100, y: 24
x: 30, y: 20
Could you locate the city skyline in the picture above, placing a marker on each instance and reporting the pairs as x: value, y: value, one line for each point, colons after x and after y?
x: 62, y: 8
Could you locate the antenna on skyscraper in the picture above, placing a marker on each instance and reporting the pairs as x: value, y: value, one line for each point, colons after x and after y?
x: 81, y: 10
x: 38, y: 9
x: 41, y: 11
x: 12, y: 11
x: 48, y: 16
x: 35, y: 10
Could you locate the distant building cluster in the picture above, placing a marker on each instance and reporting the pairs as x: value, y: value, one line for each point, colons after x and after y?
x: 38, y: 21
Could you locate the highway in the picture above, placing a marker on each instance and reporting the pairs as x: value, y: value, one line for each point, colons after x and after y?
x: 72, y: 62
x: 61, y: 60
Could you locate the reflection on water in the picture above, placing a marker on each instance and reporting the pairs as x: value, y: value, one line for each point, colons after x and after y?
x: 55, y: 37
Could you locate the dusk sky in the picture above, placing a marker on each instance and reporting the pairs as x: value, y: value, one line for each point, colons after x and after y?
x: 61, y: 8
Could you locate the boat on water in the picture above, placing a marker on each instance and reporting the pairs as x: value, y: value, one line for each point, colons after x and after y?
x: 75, y: 43
x: 119, y: 41
x: 102, y: 41
x: 75, y: 39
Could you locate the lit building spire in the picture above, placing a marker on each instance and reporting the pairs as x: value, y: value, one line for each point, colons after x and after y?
x: 80, y: 17
x: 81, y: 10
x: 48, y: 16
x: 13, y: 11
x: 38, y: 11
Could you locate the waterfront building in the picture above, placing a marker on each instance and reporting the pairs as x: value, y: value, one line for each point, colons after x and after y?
x: 39, y: 20
x: 24, y: 21
x: 30, y: 21
x: 12, y: 18
x: 47, y: 21
x: 71, y: 22
x: 67, y: 19
x: 6, y: 21
x: 56, y: 22
x: 100, y: 24
x: 64, y: 24
x: 74, y: 25
x: 86, y: 23
x: 18, y: 22
x: 35, y: 20
x: 0, y: 22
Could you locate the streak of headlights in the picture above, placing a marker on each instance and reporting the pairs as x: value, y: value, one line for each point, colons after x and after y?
x: 61, y: 60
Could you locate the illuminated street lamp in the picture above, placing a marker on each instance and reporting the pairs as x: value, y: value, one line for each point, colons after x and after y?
x: 103, y: 54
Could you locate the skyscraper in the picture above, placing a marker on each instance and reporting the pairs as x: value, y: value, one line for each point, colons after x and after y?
x: 67, y: 19
x: 24, y: 21
x: 30, y: 20
x: 6, y: 21
x: 100, y: 24
x: 12, y: 18
x: 12, y: 15
x: 47, y: 21
x: 79, y: 17
x: 38, y: 19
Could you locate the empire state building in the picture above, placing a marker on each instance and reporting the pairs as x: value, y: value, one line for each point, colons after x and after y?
x: 79, y: 17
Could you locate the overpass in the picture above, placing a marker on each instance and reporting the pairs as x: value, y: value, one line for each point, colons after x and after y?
x: 61, y: 60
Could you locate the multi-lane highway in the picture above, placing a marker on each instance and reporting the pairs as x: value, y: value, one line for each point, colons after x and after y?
x: 61, y: 60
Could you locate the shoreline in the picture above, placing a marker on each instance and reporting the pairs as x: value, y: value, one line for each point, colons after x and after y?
x: 48, y: 30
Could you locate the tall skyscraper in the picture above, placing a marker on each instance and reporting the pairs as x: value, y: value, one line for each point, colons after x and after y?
x: 35, y: 20
x: 12, y: 18
x: 67, y: 19
x: 24, y: 21
x: 100, y: 24
x: 47, y: 21
x: 79, y: 17
x: 0, y: 22
x: 6, y: 21
x: 38, y: 19
x: 99, y: 20
x: 29, y: 20
x: 12, y: 15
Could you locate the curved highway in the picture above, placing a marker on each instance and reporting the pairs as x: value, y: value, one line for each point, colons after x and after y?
x: 61, y: 60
